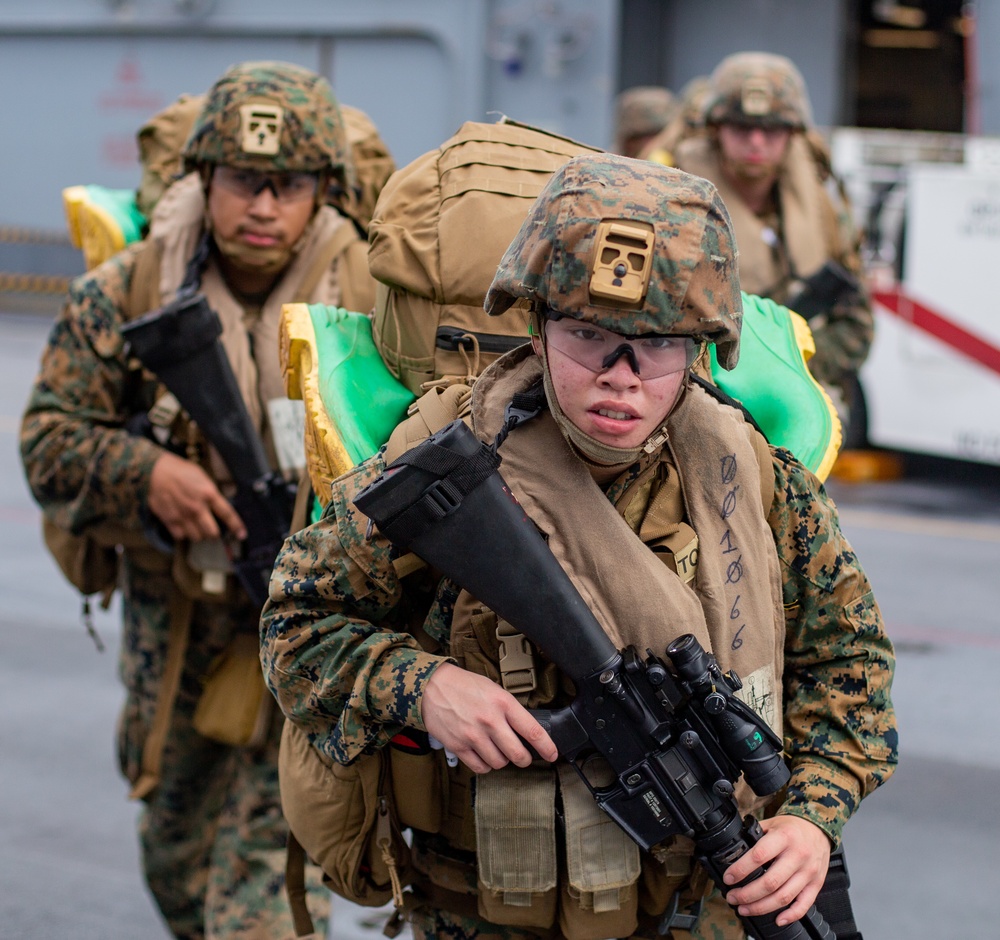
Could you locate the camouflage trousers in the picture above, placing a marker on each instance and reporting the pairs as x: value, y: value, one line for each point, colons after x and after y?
x: 212, y: 835
x: 717, y: 922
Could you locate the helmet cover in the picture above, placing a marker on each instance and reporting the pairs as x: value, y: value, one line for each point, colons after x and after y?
x: 758, y: 88
x: 271, y: 117
x: 642, y: 111
x: 631, y: 246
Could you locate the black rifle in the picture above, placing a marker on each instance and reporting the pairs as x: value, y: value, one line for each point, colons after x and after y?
x: 179, y: 344
x: 823, y: 290
x: 660, y: 743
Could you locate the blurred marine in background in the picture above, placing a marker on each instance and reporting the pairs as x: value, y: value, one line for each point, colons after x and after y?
x: 250, y: 226
x: 640, y: 114
x: 793, y: 227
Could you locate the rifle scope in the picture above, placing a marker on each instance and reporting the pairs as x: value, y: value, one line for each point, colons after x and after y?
x: 743, y: 734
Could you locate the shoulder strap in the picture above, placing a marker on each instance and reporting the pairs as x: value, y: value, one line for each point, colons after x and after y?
x: 434, y: 410
x: 357, y: 286
x: 339, y: 242
x: 144, y: 288
x: 431, y: 412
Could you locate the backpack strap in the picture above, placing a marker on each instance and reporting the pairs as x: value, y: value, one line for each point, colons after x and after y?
x: 341, y: 240
x: 295, y: 887
x: 434, y: 410
x: 144, y: 288
x: 357, y: 287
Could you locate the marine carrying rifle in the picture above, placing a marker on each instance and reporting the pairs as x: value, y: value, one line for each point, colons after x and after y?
x: 179, y: 343
x: 660, y: 743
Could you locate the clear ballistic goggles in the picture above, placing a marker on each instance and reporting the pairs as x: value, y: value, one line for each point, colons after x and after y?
x: 249, y: 184
x: 650, y: 355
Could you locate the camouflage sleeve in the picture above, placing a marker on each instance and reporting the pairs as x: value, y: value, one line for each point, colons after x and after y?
x: 333, y: 645
x: 844, y: 335
x: 840, y: 728
x: 83, y: 467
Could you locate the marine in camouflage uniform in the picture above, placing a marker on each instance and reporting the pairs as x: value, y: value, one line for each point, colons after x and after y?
x: 619, y: 508
x: 688, y: 120
x: 264, y: 151
x: 790, y: 215
x: 640, y: 114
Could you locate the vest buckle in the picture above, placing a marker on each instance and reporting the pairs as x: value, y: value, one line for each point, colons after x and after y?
x: 517, y: 660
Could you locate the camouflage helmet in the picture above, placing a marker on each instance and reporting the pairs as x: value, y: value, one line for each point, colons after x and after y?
x: 271, y: 116
x: 758, y: 88
x: 630, y: 246
x: 641, y: 112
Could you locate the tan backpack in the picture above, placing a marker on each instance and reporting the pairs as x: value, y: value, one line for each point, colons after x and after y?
x: 440, y: 228
x: 161, y: 140
x: 373, y: 164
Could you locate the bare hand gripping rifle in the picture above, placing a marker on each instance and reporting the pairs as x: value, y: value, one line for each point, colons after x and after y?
x: 179, y: 343
x: 659, y: 742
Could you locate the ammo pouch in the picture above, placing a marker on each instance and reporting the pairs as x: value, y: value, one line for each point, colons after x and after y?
x: 89, y: 561
x: 89, y: 566
x: 345, y: 819
x: 516, y: 846
x: 519, y: 867
x: 234, y: 707
x: 416, y: 785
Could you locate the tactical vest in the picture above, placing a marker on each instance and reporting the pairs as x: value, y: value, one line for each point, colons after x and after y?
x: 500, y: 859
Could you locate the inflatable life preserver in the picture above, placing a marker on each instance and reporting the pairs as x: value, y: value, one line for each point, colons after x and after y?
x: 352, y: 401
x: 101, y: 221
x: 773, y: 381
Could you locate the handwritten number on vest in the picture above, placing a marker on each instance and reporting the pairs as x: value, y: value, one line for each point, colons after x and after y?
x: 734, y: 570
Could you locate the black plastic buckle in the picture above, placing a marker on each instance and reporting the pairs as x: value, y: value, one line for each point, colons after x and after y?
x: 682, y: 921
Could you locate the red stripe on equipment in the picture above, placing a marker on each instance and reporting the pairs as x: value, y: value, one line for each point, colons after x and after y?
x: 933, y: 323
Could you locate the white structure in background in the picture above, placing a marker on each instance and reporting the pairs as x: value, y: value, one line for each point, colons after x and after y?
x: 931, y: 206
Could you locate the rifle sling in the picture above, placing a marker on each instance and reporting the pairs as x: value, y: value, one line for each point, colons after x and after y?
x: 834, y: 900
x: 152, y: 750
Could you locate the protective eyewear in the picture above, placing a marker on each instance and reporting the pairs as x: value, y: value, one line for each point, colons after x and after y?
x: 249, y: 184
x: 650, y: 355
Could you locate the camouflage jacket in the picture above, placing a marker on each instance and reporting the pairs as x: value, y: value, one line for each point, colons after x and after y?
x: 339, y: 658
x: 82, y: 464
